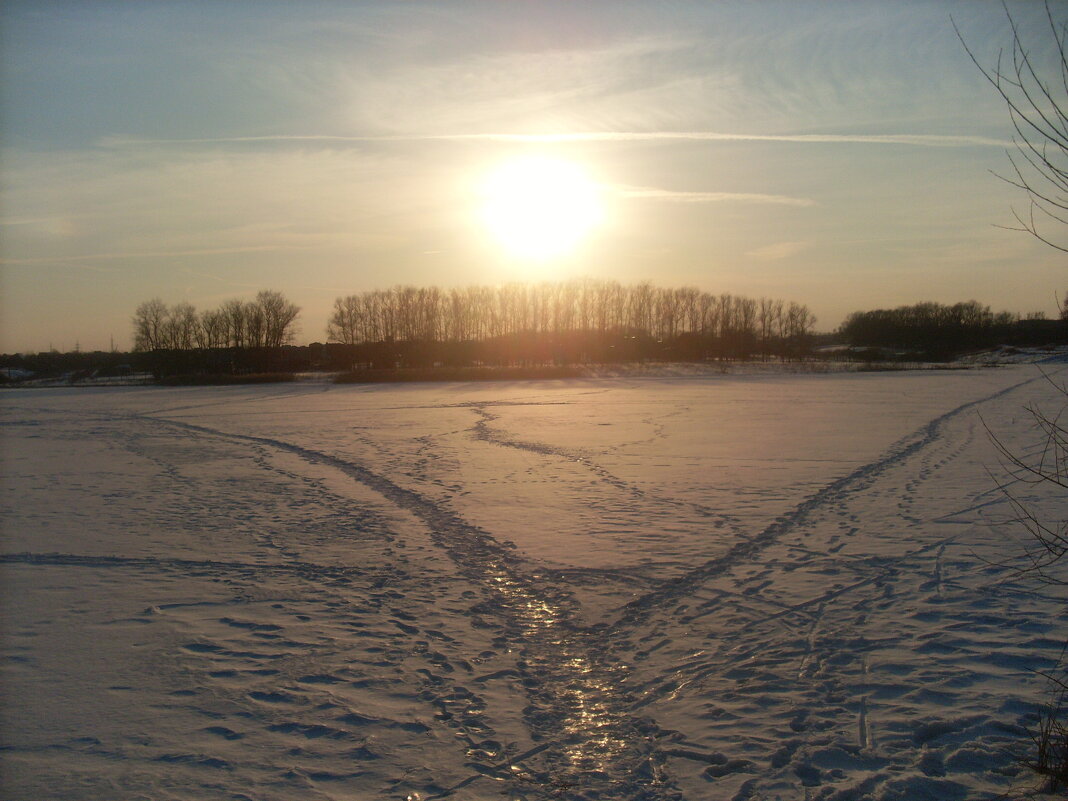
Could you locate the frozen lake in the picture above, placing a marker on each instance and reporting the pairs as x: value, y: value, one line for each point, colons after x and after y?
x: 728, y: 587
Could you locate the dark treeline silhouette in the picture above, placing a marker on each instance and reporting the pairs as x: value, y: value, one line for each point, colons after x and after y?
x: 206, y: 365
x: 74, y: 364
x: 266, y: 322
x: 576, y: 322
x: 238, y: 337
x: 534, y: 327
x: 939, y: 330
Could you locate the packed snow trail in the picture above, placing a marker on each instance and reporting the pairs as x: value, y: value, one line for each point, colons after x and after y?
x: 327, y: 606
x: 592, y: 747
x: 856, y: 481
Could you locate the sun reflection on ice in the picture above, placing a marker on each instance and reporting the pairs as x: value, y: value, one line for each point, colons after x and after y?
x: 570, y: 685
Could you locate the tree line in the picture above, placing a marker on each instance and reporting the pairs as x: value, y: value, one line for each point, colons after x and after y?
x: 269, y: 321
x: 564, y: 323
x: 561, y: 323
x: 238, y: 337
x: 937, y: 329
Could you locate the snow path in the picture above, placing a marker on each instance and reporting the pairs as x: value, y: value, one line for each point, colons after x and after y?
x: 856, y: 481
x: 573, y: 699
x: 484, y: 432
x: 358, y: 619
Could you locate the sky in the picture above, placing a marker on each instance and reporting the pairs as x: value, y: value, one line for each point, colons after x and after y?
x: 838, y: 154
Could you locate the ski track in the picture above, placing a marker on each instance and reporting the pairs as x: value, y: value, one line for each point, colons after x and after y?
x: 586, y: 695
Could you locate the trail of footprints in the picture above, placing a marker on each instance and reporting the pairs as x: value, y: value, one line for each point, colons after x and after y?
x: 272, y: 673
x: 557, y: 659
x: 344, y: 677
x: 393, y: 676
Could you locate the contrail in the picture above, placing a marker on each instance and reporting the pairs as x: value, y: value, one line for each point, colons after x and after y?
x: 915, y: 140
x: 670, y: 196
x: 142, y: 254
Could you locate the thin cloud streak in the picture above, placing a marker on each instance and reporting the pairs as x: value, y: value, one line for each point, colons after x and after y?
x: 779, y: 250
x: 143, y: 255
x: 32, y: 220
x: 712, y: 197
x: 912, y: 140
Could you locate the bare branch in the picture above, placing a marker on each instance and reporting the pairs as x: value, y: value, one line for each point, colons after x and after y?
x: 1038, y: 110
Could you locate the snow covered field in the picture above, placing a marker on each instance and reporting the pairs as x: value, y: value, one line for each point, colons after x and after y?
x: 714, y: 587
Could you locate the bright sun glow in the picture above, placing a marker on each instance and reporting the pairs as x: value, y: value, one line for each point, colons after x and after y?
x: 540, y: 208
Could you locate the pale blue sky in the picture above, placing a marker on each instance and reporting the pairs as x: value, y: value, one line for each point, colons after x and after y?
x: 840, y: 152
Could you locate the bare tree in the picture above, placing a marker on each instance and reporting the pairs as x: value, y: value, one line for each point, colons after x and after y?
x: 255, y: 325
x: 1046, y: 546
x: 149, y: 321
x: 1048, y: 541
x: 769, y: 313
x: 565, y: 321
x: 212, y: 329
x: 1036, y: 96
x: 1037, y: 100
x: 182, y: 327
x: 345, y: 323
x: 233, y: 312
x: 279, y: 317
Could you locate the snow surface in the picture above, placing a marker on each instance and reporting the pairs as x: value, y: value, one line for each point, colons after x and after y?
x: 701, y: 587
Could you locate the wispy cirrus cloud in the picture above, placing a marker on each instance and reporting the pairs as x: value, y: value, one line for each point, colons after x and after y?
x: 779, y: 250
x: 140, y: 255
x: 914, y: 140
x: 671, y: 196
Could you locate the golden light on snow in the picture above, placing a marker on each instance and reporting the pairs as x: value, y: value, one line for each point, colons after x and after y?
x: 540, y: 208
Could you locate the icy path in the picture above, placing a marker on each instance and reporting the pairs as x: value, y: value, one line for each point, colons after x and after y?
x: 742, y: 588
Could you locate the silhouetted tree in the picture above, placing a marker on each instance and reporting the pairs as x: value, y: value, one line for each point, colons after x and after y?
x: 278, y: 318
x: 182, y: 327
x: 180, y: 341
x: 346, y: 322
x: 149, y: 320
x: 1036, y: 96
x: 233, y: 313
x: 213, y: 329
x: 560, y: 322
x: 932, y: 328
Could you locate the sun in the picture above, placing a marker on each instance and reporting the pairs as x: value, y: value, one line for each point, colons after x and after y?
x: 540, y: 208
